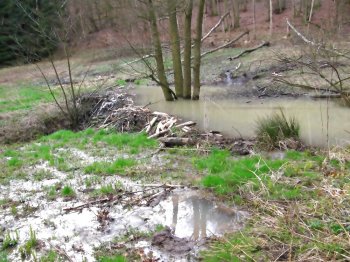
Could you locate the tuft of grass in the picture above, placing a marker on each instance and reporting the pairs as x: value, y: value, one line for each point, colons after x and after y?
x: 67, y: 191
x: 108, y: 189
x: 120, y: 82
x: 274, y: 129
x: 107, y: 168
x: 27, y: 249
x: 10, y: 241
x: 50, y: 256
x: 14, y: 162
x: 117, y: 258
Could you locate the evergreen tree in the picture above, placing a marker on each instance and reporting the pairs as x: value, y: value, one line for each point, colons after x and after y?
x: 29, y: 28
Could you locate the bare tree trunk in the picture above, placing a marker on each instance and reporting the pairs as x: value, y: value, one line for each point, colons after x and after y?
x: 175, y: 48
x: 158, y: 53
x: 236, y: 14
x: 254, y: 21
x: 187, y: 51
x: 271, y: 17
x: 197, y: 51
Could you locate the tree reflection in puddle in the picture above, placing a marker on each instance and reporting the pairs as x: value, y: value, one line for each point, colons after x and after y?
x: 193, y: 216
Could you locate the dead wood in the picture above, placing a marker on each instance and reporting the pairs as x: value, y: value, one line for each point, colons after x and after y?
x: 225, y: 45
x: 312, y: 43
x: 175, y: 141
x: 264, y: 43
x: 222, y: 18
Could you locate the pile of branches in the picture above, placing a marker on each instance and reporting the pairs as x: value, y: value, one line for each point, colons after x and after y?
x: 117, y: 111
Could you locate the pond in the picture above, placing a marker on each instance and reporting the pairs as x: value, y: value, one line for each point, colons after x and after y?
x: 219, y: 110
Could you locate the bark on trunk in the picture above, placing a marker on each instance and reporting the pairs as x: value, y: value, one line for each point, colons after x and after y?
x: 158, y: 55
x: 236, y: 14
x: 175, y: 48
x: 271, y: 17
x: 197, y: 51
x: 187, y: 51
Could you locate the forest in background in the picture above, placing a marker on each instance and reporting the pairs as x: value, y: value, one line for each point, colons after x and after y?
x: 31, y: 29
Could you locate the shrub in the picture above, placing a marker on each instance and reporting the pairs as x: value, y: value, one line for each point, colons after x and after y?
x: 274, y: 129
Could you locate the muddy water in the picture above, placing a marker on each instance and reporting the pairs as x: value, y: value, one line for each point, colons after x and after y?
x: 219, y: 110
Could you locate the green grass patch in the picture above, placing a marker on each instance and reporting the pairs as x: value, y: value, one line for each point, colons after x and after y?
x: 22, y: 97
x: 50, y: 256
x: 10, y: 240
x: 27, y: 248
x: 67, y: 191
x: 107, y: 168
x: 108, y: 189
x: 117, y: 258
x: 121, y: 140
x: 226, y: 175
x: 120, y: 82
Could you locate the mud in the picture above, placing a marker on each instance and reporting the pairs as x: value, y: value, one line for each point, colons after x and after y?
x: 190, y: 216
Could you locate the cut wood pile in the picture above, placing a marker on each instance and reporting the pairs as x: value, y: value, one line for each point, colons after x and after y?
x: 117, y: 111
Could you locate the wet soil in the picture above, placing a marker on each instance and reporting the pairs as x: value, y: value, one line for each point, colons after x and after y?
x: 77, y: 225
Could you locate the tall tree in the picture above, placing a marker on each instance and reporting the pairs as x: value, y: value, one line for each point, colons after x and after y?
x: 158, y: 52
x: 236, y: 17
x: 187, y: 50
x: 197, y: 51
x: 175, y: 47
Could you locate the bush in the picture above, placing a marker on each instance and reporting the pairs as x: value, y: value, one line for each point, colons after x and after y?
x: 274, y: 129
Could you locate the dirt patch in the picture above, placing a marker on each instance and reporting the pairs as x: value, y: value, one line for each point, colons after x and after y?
x: 166, y: 241
x: 22, y: 127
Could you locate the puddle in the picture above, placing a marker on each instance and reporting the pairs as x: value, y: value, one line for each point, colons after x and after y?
x: 219, y: 109
x: 190, y: 215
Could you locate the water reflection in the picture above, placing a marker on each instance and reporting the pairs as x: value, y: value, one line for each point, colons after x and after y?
x: 219, y: 110
x: 193, y: 216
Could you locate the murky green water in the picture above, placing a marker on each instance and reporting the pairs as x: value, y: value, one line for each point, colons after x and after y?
x: 219, y: 110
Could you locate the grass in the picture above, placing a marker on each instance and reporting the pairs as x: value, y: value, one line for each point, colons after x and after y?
x: 108, y: 189
x: 226, y: 175
x: 296, y: 206
x: 117, y: 258
x: 16, y: 158
x: 120, y: 82
x: 67, y: 191
x: 272, y: 130
x: 50, y: 256
x: 3, y: 257
x: 22, y: 97
x: 27, y: 249
x: 10, y: 241
x: 106, y: 168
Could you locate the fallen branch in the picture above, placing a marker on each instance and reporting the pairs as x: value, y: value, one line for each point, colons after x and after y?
x: 225, y: 45
x: 318, y: 45
x: 215, y: 26
x: 188, y: 123
x: 249, y: 50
